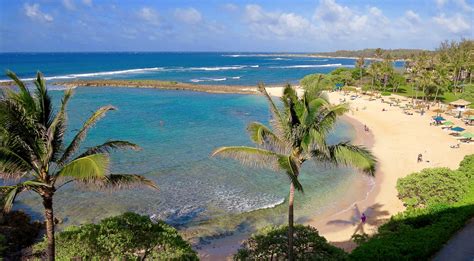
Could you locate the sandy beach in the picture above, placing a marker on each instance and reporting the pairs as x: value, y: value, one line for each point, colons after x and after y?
x: 397, y: 140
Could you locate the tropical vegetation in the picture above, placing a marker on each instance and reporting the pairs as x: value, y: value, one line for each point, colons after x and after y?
x: 271, y: 243
x: 33, y: 155
x: 432, y: 186
x: 17, y: 231
x: 126, y: 237
x: 431, y: 76
x: 419, y: 232
x: 298, y: 134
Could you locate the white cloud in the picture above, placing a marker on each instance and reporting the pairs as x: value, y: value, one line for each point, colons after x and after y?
x: 338, y: 21
x: 461, y: 3
x: 441, y: 3
x: 87, y: 2
x: 188, y: 15
x: 33, y: 11
x: 230, y: 7
x: 412, y: 17
x: 149, y: 15
x: 282, y: 25
x: 69, y: 4
x: 455, y: 24
x: 465, y: 6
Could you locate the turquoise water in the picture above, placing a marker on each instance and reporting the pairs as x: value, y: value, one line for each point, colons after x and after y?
x: 206, y: 68
x: 177, y: 131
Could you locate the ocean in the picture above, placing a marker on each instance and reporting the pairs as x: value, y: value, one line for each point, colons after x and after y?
x: 205, y: 68
x: 177, y: 131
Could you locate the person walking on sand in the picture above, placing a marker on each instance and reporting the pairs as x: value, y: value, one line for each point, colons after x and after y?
x: 420, y: 158
x: 363, y: 218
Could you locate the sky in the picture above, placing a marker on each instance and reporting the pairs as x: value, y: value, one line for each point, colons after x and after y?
x: 220, y: 25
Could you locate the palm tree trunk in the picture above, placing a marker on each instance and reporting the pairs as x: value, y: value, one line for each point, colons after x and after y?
x: 49, y: 215
x: 290, y: 222
x: 436, y: 95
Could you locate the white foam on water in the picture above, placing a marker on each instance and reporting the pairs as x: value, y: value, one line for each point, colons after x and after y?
x: 254, y: 66
x: 308, y: 66
x: 238, y: 201
x: 236, y: 77
x: 94, y: 74
x: 208, y: 80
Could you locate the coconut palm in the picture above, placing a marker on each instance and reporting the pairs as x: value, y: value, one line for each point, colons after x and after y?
x: 32, y: 151
x: 360, y: 63
x: 298, y: 134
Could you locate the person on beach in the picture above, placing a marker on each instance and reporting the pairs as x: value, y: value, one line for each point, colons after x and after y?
x: 420, y: 158
x: 363, y: 218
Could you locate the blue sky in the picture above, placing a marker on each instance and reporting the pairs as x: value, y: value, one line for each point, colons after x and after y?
x: 293, y: 26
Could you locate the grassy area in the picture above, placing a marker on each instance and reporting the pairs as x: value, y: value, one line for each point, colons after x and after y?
x: 418, y: 233
x: 447, y: 97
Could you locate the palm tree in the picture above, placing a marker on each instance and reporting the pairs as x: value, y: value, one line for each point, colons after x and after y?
x: 33, y: 155
x: 360, y: 63
x: 298, y: 134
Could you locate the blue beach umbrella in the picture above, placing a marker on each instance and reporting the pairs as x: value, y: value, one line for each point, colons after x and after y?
x: 458, y: 129
x: 439, y: 118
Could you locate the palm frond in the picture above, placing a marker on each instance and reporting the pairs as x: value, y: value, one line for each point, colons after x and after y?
x: 273, y: 108
x: 57, y: 128
x: 290, y: 166
x: 263, y: 136
x: 24, y: 96
x: 44, y: 101
x: 108, y: 146
x: 75, y: 143
x: 8, y: 195
x: 119, y: 181
x: 252, y: 157
x: 86, y: 169
x: 12, y: 165
x: 346, y: 154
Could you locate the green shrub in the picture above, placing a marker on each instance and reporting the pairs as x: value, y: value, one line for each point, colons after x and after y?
x: 386, y: 93
x: 3, y: 245
x: 432, y: 186
x: 271, y: 243
x: 128, y: 236
x: 467, y: 166
x: 416, y: 234
x: 18, y: 231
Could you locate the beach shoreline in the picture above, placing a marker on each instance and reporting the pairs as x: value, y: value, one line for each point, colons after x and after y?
x: 394, y: 138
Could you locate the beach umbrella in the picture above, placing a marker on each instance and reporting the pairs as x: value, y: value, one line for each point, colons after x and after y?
x: 458, y: 129
x: 468, y: 135
x: 448, y: 123
x: 438, y: 110
x: 471, y: 118
x: 439, y: 118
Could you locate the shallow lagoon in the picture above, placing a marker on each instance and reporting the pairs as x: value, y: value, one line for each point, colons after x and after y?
x: 177, y: 131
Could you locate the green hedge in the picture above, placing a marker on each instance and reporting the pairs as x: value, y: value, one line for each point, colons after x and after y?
x: 125, y: 237
x: 386, y: 93
x: 418, y: 233
x: 271, y: 243
x: 432, y: 186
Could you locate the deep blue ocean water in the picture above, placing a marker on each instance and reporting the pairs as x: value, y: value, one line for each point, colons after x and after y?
x: 206, y: 68
x: 177, y: 131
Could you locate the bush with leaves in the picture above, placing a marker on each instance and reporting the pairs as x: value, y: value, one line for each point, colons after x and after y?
x: 432, y: 186
x: 317, y: 81
x: 17, y: 231
x: 271, y: 243
x: 418, y: 233
x: 467, y: 166
x: 128, y: 236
